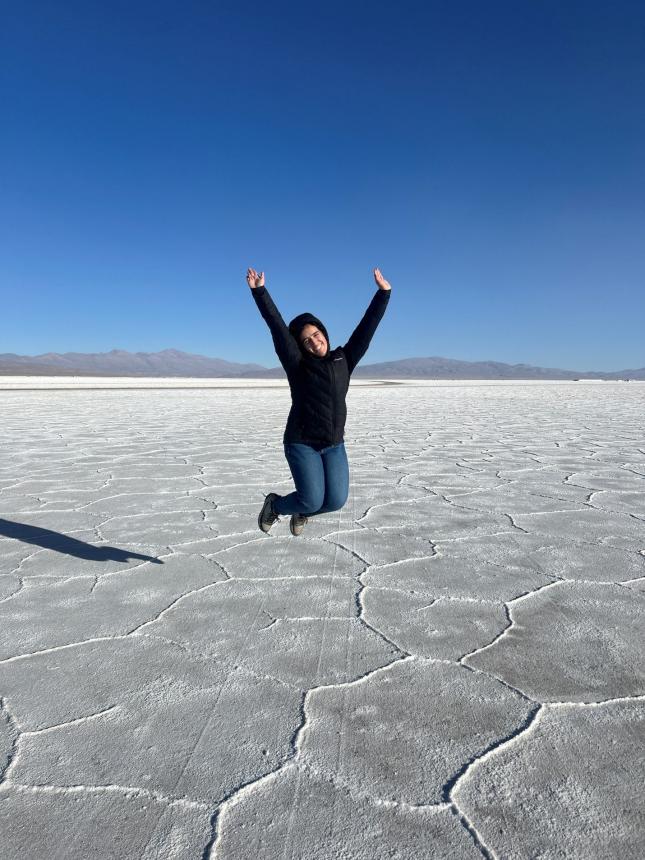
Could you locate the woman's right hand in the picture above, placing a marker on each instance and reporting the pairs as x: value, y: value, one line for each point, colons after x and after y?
x: 253, y: 279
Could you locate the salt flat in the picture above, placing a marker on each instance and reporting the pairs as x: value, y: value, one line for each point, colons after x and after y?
x: 452, y: 666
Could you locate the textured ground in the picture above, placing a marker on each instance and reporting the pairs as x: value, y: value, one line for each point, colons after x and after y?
x: 451, y: 667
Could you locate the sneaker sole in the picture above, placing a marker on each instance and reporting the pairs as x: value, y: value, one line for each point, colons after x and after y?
x: 260, y: 525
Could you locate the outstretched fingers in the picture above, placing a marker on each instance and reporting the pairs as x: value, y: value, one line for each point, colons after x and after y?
x: 254, y: 279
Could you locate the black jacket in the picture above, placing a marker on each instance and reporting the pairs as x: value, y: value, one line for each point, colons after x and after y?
x: 318, y: 385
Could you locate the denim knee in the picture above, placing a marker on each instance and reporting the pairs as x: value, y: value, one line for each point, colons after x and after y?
x: 335, y: 501
x: 310, y: 501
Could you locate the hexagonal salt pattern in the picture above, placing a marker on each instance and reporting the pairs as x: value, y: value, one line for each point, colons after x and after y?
x: 444, y: 628
x: 51, y: 611
x: 145, y: 713
x: 451, y: 666
x: 402, y: 733
x: 570, y: 786
x: 599, y: 654
x: 281, y: 817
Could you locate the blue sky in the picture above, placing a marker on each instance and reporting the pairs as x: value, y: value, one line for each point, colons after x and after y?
x: 488, y: 157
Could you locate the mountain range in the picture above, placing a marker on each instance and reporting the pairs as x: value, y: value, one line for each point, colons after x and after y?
x: 173, y: 362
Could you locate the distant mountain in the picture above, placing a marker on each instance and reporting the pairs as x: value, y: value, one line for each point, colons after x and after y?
x: 449, y: 368
x: 172, y: 362
x: 118, y: 362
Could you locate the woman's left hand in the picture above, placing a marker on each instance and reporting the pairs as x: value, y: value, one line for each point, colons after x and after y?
x: 381, y: 283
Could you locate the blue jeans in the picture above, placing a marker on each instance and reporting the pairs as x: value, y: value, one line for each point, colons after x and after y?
x: 321, y: 479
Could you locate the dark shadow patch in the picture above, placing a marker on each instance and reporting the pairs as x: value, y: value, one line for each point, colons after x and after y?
x: 68, y: 545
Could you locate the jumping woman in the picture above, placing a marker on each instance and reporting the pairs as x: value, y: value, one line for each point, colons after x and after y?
x: 318, y: 378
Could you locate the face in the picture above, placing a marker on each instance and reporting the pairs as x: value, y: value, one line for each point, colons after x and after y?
x: 313, y: 340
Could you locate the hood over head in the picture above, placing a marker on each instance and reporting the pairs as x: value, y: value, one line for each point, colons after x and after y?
x: 298, y: 323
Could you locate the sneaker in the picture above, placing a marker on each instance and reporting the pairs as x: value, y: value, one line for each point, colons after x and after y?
x: 297, y: 524
x: 267, y: 515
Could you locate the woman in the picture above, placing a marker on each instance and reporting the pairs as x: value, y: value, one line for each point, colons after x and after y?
x: 318, y: 378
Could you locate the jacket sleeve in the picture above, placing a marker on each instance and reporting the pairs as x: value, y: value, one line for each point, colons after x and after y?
x: 357, y: 345
x: 285, y: 344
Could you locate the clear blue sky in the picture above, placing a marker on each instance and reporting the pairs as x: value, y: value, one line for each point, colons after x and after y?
x: 488, y: 157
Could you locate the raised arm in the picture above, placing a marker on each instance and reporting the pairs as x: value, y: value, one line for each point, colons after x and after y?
x: 285, y: 345
x: 357, y: 345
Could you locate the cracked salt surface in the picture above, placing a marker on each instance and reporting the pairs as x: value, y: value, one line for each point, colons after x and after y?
x: 585, y: 792
x: 452, y: 666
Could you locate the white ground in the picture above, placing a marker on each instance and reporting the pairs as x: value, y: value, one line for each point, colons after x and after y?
x: 453, y: 666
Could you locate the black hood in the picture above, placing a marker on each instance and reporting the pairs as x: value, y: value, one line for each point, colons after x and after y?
x: 298, y: 323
